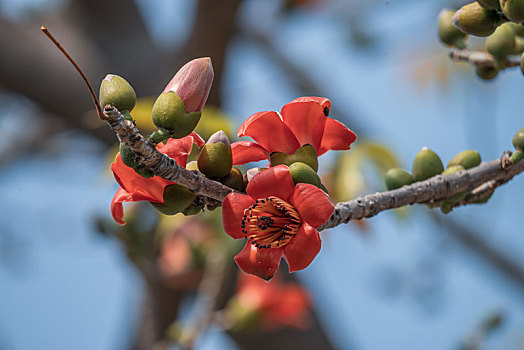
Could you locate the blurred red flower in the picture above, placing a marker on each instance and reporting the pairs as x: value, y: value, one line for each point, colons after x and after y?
x: 278, y: 219
x: 301, y: 122
x: 134, y: 188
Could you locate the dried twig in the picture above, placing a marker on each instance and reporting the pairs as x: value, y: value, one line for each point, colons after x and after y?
x: 478, y: 58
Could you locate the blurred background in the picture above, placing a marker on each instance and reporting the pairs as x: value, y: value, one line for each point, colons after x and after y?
x: 407, y: 279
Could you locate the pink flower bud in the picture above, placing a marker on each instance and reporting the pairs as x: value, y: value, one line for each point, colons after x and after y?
x: 192, y: 83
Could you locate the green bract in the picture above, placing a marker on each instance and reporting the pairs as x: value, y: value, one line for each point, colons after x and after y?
x: 128, y: 158
x: 447, y: 32
x: 476, y: 20
x: 513, y: 9
x: 117, y: 92
x: 502, y: 42
x: 235, y: 179
x: 396, y: 178
x: 169, y: 113
x: 303, y: 173
x: 426, y: 164
x: 305, y: 154
x: 467, y: 159
x: 176, y: 199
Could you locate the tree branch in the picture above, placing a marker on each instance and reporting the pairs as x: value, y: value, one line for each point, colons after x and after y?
x: 478, y: 58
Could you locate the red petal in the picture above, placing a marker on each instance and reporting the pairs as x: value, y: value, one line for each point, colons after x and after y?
x: 141, y: 188
x: 337, y: 137
x: 197, y: 139
x: 312, y: 204
x: 289, y: 309
x: 179, y: 149
x: 117, y: 209
x: 270, y: 132
x: 305, y: 117
x: 303, y: 248
x: 233, y: 212
x: 320, y: 100
x: 247, y: 151
x: 259, y: 262
x: 275, y: 181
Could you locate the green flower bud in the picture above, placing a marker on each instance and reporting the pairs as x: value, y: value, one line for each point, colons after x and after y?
x: 516, y: 157
x: 490, y: 4
x: 305, y: 154
x: 502, y: 42
x: 161, y: 135
x: 396, y: 178
x: 117, y: 92
x: 169, y: 112
x: 518, y: 28
x: 519, y: 47
x: 486, y: 73
x: 176, y: 199
x: 447, y: 32
x: 426, y: 164
x: 513, y: 9
x: 476, y: 20
x: 192, y: 165
x: 518, y: 140
x: 215, y: 159
x: 235, y: 179
x: 303, y: 173
x: 447, y: 204
x: 467, y: 159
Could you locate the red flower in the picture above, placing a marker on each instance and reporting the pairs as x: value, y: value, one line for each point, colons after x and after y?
x: 279, y: 304
x: 278, y: 219
x: 302, y: 121
x: 134, y: 188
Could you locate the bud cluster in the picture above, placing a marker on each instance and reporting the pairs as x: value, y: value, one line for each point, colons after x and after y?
x: 497, y: 20
x: 427, y: 164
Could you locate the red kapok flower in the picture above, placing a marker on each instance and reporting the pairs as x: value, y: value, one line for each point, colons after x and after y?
x: 134, y: 188
x: 301, y: 122
x: 278, y: 219
x: 279, y: 303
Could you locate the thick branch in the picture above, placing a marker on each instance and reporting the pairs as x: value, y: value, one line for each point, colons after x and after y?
x: 434, y: 189
x: 478, y: 58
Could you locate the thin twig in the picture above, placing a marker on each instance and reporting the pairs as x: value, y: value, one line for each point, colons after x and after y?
x: 478, y: 58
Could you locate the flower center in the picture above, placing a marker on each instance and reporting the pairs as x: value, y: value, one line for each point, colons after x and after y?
x: 270, y: 223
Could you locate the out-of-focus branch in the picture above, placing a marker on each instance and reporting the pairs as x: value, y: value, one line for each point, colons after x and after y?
x: 478, y: 58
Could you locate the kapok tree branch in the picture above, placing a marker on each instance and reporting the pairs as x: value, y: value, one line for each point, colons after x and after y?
x: 482, y: 180
x: 478, y: 58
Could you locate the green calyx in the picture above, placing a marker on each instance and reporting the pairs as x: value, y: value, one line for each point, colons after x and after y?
x: 305, y: 154
x: 502, y: 42
x: 426, y: 164
x: 447, y: 204
x: 128, y: 157
x: 486, y: 73
x: 176, y: 199
x: 169, y: 113
x: 117, y: 92
x: 396, y: 178
x: 161, y: 135
x: 513, y: 9
x: 476, y: 20
x: 490, y: 4
x: 215, y: 160
x: 303, y: 173
x: 447, y: 32
x: 518, y: 140
x: 235, y: 179
x: 516, y: 157
x: 518, y: 28
x: 467, y: 159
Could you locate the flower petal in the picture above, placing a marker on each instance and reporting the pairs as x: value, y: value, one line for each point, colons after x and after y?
x: 270, y: 132
x: 233, y: 211
x: 117, y: 209
x: 179, y: 149
x: 312, y: 204
x: 303, y: 248
x: 197, y: 139
x: 261, y: 262
x: 247, y: 151
x: 337, y: 137
x: 306, y: 118
x: 275, y: 181
x: 141, y: 188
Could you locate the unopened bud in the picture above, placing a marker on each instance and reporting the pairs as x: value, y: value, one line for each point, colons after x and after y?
x: 447, y: 204
x: 305, y: 154
x: 235, y: 180
x: 447, y: 32
x: 486, y: 73
x: 396, y: 178
x: 303, y: 173
x: 502, y: 42
x: 467, y: 159
x: 513, y: 9
x: 426, y: 164
x: 176, y: 199
x: 518, y: 140
x: 117, y: 92
x: 476, y: 20
x: 215, y: 159
x: 490, y: 4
